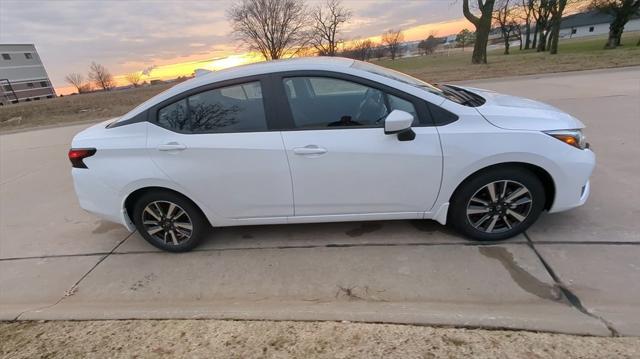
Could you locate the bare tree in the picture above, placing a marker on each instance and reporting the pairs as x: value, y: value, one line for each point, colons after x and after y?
x: 134, y: 78
x: 101, y: 76
x: 77, y: 81
x: 483, y: 27
x: 556, y: 19
x: 393, y: 39
x: 504, y: 19
x: 622, y: 11
x: 360, y: 50
x: 274, y: 28
x: 527, y: 15
x: 465, y: 37
x: 428, y: 46
x: 542, y: 13
x: 327, y: 21
x: 379, y: 51
x: 307, y: 51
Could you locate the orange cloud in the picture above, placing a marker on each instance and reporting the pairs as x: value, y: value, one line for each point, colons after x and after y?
x: 166, y: 69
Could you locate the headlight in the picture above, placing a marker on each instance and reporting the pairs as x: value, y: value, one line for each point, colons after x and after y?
x: 573, y: 138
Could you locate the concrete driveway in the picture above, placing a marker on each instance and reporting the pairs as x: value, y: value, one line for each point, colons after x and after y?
x: 574, y: 272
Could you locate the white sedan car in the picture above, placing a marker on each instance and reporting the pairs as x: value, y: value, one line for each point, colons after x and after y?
x: 324, y: 140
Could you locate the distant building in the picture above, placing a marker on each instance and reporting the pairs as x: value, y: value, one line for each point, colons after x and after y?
x: 22, y: 75
x: 592, y: 23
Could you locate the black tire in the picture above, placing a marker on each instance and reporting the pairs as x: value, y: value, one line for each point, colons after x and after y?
x: 477, y: 187
x: 163, y: 199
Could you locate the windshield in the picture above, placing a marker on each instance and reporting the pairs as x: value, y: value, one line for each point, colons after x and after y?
x: 452, y: 93
x: 398, y: 76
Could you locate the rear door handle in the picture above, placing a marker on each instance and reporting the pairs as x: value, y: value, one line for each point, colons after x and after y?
x: 309, y: 150
x: 172, y: 146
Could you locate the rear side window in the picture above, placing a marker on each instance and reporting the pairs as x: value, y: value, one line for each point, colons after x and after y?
x: 174, y: 116
x: 237, y: 108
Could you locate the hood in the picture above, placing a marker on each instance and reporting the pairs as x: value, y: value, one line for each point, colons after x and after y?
x: 518, y: 113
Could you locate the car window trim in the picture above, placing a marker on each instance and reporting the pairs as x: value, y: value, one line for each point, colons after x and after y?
x: 276, y: 105
x: 285, y: 120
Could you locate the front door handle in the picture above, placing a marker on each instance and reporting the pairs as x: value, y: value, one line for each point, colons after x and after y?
x: 309, y: 150
x: 172, y: 146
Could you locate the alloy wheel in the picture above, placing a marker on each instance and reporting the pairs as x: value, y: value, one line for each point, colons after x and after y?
x: 167, y: 222
x: 499, y: 206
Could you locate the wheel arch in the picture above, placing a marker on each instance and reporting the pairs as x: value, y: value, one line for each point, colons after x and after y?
x: 542, y: 174
x: 131, y: 199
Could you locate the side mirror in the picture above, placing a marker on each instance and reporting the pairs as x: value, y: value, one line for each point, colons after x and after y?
x: 399, y: 122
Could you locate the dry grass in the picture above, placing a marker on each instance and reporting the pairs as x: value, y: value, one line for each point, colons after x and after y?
x: 264, y: 339
x: 576, y: 54
x: 76, y: 108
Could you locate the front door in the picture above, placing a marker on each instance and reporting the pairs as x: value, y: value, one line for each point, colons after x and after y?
x: 216, y: 145
x: 341, y: 161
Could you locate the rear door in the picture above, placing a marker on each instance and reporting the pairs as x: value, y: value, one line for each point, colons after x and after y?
x: 341, y: 161
x: 217, y: 145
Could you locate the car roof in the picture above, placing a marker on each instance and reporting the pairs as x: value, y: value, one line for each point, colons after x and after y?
x: 265, y: 67
x: 254, y: 69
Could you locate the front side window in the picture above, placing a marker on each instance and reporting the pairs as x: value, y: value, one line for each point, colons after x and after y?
x: 237, y: 108
x: 323, y: 102
x: 397, y: 103
x: 43, y: 84
x: 28, y: 56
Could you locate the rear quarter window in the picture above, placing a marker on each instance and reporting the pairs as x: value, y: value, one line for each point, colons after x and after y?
x: 237, y: 108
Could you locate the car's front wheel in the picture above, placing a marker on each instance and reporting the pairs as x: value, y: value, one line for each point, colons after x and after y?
x: 497, y: 204
x: 169, y: 221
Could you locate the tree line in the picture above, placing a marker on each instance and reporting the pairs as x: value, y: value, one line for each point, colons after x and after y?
x: 540, y: 20
x: 276, y: 28
x: 286, y: 28
x: 99, y: 78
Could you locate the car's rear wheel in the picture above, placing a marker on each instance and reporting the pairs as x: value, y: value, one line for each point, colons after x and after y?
x: 169, y: 221
x: 497, y: 204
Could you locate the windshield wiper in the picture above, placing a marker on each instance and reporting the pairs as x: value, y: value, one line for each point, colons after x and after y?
x: 462, y: 96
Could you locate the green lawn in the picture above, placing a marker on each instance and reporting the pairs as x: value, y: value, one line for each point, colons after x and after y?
x: 573, y: 54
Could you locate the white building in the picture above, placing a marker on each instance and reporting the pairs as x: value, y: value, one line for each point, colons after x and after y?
x: 22, y: 75
x: 592, y: 23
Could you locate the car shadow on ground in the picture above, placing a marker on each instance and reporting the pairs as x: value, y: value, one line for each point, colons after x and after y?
x: 366, y: 233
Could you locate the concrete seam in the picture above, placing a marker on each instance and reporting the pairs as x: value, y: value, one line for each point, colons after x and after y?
x: 345, y: 245
x: 571, y: 297
x: 77, y: 283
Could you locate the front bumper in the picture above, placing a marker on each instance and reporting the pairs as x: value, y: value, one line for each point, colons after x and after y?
x: 573, y: 186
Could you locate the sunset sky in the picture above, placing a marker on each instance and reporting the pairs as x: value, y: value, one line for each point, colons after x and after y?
x: 166, y: 39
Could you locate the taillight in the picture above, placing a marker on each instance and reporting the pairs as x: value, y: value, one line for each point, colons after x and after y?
x: 76, y: 155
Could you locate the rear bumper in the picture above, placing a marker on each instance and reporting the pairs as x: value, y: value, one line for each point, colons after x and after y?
x: 97, y: 198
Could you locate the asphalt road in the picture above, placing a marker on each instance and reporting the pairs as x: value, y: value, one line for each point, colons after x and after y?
x: 574, y: 272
